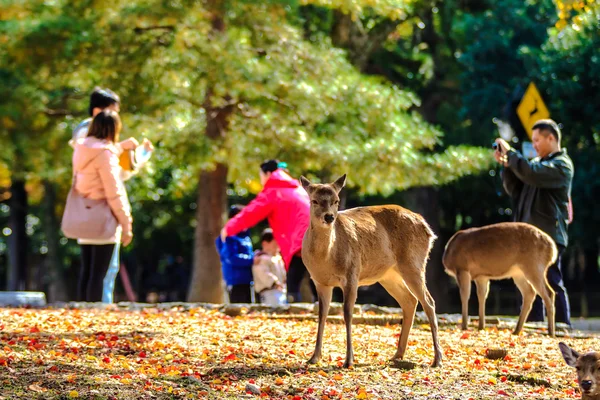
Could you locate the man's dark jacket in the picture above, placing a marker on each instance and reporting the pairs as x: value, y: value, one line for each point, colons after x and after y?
x: 541, y: 189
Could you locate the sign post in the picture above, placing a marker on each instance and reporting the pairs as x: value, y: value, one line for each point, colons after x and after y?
x: 531, y: 108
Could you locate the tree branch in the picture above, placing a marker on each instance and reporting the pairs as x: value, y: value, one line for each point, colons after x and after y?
x: 139, y: 29
x: 285, y: 104
x: 58, y: 112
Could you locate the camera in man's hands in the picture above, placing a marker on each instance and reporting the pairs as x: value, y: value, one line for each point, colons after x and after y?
x: 495, y: 146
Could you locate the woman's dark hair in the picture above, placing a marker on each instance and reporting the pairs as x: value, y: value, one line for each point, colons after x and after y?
x: 102, y: 98
x: 105, y: 125
x: 269, y: 166
x: 235, y: 210
x: 267, y: 235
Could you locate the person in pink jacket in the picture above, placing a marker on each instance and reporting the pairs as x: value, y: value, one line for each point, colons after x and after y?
x: 286, y: 205
x: 96, y: 165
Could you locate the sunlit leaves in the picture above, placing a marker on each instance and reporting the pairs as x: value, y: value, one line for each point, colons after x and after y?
x: 294, y: 99
x: 393, y: 9
x: 201, y: 353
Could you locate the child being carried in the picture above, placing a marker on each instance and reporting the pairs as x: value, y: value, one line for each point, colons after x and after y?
x: 269, y: 271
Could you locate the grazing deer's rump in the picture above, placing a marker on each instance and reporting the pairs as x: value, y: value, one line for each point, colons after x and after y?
x: 588, y: 370
x: 361, y: 246
x: 506, y: 250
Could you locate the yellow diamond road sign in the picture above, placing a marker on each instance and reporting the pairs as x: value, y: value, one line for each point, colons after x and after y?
x: 531, y: 108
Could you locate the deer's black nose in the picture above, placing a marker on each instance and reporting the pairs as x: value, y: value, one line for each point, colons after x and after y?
x: 329, y: 218
x: 586, y: 385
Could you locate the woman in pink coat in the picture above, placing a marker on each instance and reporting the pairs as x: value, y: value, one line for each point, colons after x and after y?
x: 97, y: 170
x: 285, y: 204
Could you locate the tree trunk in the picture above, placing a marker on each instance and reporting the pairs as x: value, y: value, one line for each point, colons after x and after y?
x: 360, y: 42
x: 17, y: 272
x: 54, y: 281
x: 207, y: 279
x: 591, y: 280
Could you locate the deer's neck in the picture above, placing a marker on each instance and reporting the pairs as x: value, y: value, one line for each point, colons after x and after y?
x: 321, y: 240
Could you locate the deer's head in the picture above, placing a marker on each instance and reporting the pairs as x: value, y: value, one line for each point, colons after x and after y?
x: 324, y: 200
x: 587, y: 366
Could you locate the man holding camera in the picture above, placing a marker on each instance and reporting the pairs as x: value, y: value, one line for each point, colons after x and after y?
x: 541, y: 189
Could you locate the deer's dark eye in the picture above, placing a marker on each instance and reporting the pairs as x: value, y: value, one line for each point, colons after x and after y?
x: 315, y: 202
x: 578, y: 368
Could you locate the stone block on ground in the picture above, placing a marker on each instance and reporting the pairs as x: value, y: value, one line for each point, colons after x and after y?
x: 235, y: 310
x: 19, y: 299
x: 301, y: 308
x: 337, y: 309
x: 379, y: 310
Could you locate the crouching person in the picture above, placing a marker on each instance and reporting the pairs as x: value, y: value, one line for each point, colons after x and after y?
x: 269, y: 272
x: 236, y: 255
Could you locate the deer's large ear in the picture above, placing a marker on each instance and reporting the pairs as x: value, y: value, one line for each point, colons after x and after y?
x: 340, y: 183
x: 305, y: 183
x: 568, y: 354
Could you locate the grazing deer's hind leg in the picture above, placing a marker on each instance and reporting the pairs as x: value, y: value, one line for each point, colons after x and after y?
x: 324, y: 293
x: 538, y: 280
x: 528, y: 294
x: 464, y: 285
x: 483, y: 288
x: 350, y: 294
x: 416, y: 283
x: 398, y: 290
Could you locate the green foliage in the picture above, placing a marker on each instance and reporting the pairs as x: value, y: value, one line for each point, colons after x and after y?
x: 497, y: 58
x: 291, y: 95
x: 570, y: 66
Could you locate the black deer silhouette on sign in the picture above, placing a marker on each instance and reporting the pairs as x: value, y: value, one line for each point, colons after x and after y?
x: 535, y: 110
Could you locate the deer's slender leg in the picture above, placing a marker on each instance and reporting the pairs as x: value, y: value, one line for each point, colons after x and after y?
x: 483, y: 288
x: 350, y: 294
x: 528, y: 294
x: 324, y: 293
x: 397, y: 289
x: 464, y: 285
x: 416, y: 283
x: 538, y: 280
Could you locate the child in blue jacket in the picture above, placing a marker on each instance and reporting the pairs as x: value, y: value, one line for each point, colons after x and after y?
x: 237, y: 257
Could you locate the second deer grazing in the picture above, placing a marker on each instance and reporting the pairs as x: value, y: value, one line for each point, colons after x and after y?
x: 588, y: 370
x: 506, y: 250
x: 362, y: 246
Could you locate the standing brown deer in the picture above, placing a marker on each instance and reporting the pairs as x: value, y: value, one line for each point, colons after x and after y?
x: 361, y: 246
x: 506, y: 250
x: 588, y: 370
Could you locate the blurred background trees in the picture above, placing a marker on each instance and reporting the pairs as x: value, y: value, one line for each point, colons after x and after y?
x: 398, y: 93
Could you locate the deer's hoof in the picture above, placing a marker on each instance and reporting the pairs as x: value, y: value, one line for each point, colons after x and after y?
x: 348, y: 363
x: 436, y: 364
x: 516, y: 333
x: 313, y: 360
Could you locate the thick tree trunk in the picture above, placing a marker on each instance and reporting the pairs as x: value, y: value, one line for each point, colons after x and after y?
x: 54, y: 281
x: 17, y: 272
x: 207, y: 279
x: 206, y: 285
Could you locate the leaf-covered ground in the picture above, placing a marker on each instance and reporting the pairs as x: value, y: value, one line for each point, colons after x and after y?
x: 155, y: 354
